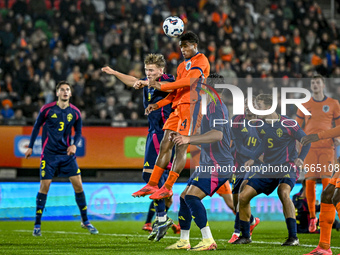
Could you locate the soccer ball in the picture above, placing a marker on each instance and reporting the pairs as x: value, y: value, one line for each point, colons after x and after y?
x: 173, y: 26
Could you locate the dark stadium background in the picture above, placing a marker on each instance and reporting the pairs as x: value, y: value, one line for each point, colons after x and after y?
x: 248, y: 42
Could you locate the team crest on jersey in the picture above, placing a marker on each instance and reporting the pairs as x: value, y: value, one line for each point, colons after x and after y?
x: 69, y: 117
x: 325, y: 108
x: 279, y: 132
x: 188, y: 66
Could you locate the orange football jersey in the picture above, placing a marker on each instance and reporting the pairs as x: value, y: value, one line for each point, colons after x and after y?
x: 323, y: 113
x: 189, y: 94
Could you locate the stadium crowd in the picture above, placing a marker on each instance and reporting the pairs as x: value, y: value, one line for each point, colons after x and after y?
x: 248, y: 42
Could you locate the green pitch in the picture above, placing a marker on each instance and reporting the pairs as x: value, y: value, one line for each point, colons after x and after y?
x: 66, y: 237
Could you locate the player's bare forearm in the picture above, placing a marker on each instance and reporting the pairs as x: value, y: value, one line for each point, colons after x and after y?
x: 208, y: 137
x: 192, y: 76
x: 126, y: 79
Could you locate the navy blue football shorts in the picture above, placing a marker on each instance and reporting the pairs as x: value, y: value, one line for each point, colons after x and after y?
x: 265, y: 183
x: 209, y: 182
x: 63, y: 165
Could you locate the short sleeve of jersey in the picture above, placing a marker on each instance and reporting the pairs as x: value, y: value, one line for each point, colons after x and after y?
x: 336, y: 114
x: 300, y: 114
x: 215, y: 113
x: 200, y: 64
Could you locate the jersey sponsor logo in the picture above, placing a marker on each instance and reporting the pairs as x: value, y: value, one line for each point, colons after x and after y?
x: 188, y: 66
x: 279, y: 132
x: 54, y: 116
x: 43, y: 173
x: 263, y: 132
x: 146, y: 163
x: 325, y: 108
x: 244, y: 129
x: 69, y: 117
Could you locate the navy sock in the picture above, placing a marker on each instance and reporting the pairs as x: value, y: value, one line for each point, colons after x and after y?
x: 81, y: 202
x: 197, y: 210
x: 40, y: 202
x: 159, y: 207
x: 245, y: 228
x: 146, y: 176
x: 184, y: 215
x: 291, y: 226
x: 251, y: 219
x: 151, y: 213
x: 237, y: 223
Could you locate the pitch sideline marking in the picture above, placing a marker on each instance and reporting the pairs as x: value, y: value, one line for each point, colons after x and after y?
x: 168, y: 237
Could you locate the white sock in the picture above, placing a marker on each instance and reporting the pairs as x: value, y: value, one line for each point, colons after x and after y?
x: 162, y: 218
x: 206, y: 233
x: 238, y: 234
x: 185, y: 234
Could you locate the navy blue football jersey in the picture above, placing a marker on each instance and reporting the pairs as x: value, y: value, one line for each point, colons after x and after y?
x: 151, y: 96
x: 245, y: 138
x: 217, y: 152
x: 279, y: 141
x: 57, y: 128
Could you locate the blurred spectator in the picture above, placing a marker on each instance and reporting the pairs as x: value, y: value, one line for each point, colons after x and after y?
x: 47, y: 86
x: 7, y: 112
x: 28, y: 107
x: 18, y: 119
x: 252, y: 39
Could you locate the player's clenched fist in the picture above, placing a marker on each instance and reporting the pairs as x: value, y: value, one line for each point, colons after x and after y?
x: 140, y: 84
x: 150, y: 108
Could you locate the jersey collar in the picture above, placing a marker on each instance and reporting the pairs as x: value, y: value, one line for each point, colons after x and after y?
x: 324, y: 99
x: 192, y: 56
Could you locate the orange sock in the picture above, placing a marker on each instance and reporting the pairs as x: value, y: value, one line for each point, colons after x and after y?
x: 310, y: 194
x: 326, y: 219
x: 325, y: 182
x: 338, y: 208
x: 173, y: 176
x: 156, y: 175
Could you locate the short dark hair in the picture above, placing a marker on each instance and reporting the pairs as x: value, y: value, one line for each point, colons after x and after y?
x: 215, y: 78
x: 190, y: 37
x: 266, y: 98
x: 319, y: 76
x: 63, y: 83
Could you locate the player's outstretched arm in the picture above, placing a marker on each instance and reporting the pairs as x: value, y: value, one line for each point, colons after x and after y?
x: 208, y: 137
x: 193, y: 75
x: 126, y: 79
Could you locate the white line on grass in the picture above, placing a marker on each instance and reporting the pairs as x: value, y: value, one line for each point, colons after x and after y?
x: 144, y: 236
